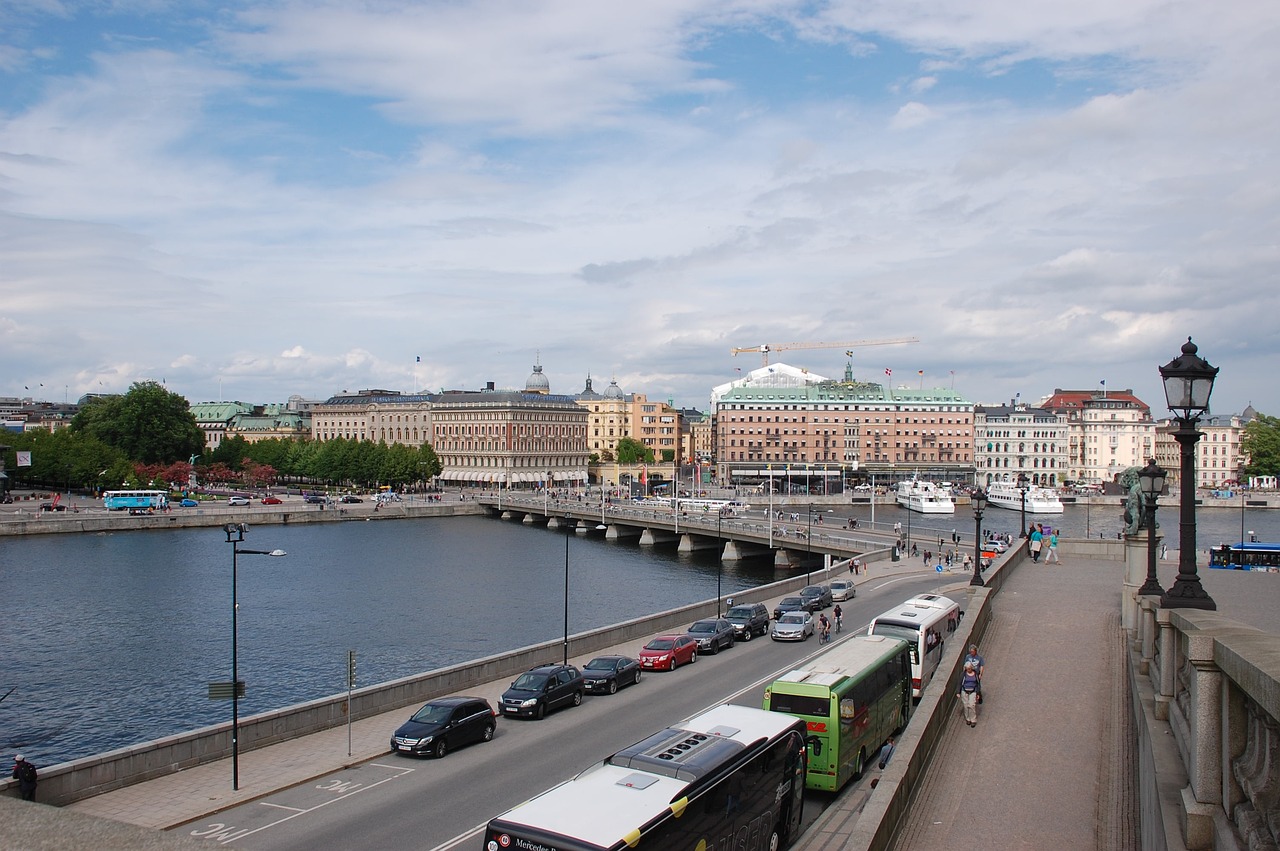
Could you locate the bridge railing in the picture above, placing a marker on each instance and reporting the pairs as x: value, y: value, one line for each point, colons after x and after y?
x: 1207, y: 705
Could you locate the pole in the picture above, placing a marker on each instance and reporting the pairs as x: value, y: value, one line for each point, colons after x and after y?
x: 566, y: 600
x: 235, y: 676
x: 1240, y: 552
x: 977, y: 579
x: 1187, y: 591
x: 1151, y: 588
x: 719, y: 557
x: 808, y: 544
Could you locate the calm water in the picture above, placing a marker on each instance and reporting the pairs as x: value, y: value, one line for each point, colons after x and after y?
x: 112, y: 639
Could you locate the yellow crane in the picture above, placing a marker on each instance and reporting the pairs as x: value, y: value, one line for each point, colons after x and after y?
x: 780, y: 347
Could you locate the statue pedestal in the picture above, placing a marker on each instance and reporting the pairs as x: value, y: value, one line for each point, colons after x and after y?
x: 1135, y: 576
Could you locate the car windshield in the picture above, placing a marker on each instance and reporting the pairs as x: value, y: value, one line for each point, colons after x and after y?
x: 811, y: 590
x: 432, y: 714
x: 529, y: 682
x: 703, y: 626
x: 739, y: 612
x: 790, y: 601
x: 600, y: 665
x: 791, y: 618
x: 660, y: 644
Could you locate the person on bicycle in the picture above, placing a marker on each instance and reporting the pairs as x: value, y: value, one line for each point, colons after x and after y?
x: 839, y: 617
x: 824, y: 629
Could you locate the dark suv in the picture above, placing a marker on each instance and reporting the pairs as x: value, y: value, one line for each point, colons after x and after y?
x: 749, y: 620
x: 542, y: 688
x: 816, y: 597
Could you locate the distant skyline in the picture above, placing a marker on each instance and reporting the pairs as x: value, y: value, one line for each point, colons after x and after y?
x: 250, y: 200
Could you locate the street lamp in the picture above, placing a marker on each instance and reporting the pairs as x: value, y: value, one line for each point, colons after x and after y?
x: 1151, y: 478
x: 719, y: 557
x: 808, y: 544
x: 566, y: 586
x: 979, y: 506
x: 1023, y: 483
x: 1188, y: 382
x: 235, y: 535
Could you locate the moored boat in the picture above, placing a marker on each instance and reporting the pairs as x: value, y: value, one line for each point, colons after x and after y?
x: 924, y: 497
x: 1040, y: 500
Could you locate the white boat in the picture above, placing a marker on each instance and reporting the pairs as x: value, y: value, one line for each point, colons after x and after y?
x: 1040, y: 500
x: 924, y: 497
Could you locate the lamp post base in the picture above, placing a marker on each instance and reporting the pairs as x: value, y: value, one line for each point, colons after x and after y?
x: 1187, y: 594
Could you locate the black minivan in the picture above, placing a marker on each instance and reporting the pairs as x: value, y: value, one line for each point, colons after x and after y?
x: 444, y: 724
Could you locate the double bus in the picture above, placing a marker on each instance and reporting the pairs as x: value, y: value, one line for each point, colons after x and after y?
x: 852, y: 698
x: 924, y: 622
x: 1246, y: 555
x: 135, y: 499
x: 729, y: 778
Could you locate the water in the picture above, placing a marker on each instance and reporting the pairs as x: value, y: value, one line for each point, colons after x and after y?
x: 112, y: 639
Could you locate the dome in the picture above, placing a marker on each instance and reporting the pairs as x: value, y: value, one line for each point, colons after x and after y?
x: 613, y: 391
x: 537, y: 382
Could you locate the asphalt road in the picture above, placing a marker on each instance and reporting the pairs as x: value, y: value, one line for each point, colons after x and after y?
x: 395, y: 802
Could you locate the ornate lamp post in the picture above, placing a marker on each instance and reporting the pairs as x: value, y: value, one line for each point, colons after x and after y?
x: 1023, y: 483
x: 235, y: 535
x: 979, y: 506
x: 719, y: 558
x: 1152, y: 481
x: 808, y: 544
x: 1188, y: 382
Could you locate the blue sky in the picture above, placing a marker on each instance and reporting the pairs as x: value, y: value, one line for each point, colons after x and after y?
x: 254, y: 200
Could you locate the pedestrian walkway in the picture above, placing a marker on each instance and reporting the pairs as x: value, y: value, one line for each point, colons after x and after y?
x: 1051, y: 763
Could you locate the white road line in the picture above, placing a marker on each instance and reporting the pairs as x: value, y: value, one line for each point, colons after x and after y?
x: 282, y: 807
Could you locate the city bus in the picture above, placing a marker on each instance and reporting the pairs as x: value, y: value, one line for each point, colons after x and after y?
x: 852, y: 698
x: 1246, y: 555
x: 729, y: 778
x: 924, y: 622
x: 135, y: 499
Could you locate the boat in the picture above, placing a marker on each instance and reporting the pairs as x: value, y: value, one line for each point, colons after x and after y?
x: 1040, y: 500
x: 924, y: 497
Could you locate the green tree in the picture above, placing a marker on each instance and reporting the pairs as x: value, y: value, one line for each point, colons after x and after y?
x: 1261, y: 442
x: 148, y: 424
x: 632, y: 451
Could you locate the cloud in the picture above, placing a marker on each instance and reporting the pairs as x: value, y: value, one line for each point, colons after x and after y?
x: 912, y: 115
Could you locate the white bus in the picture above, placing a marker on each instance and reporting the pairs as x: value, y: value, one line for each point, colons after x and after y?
x: 731, y: 777
x: 924, y: 622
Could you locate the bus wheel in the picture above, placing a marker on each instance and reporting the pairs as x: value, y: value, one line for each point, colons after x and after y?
x: 860, y: 764
x: 775, y: 840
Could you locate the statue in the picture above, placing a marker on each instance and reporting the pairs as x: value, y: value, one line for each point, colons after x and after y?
x: 1135, y: 515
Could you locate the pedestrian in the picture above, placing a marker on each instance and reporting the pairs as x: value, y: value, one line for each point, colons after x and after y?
x: 25, y: 773
x: 1052, y: 554
x: 886, y: 752
x: 1164, y: 551
x: 979, y: 665
x: 968, y: 694
x: 1037, y: 541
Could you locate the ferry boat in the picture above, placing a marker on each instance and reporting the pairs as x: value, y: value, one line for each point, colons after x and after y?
x: 1040, y: 500
x: 924, y: 497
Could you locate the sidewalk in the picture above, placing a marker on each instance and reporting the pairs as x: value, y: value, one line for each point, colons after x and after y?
x: 1051, y: 763
x: 201, y: 791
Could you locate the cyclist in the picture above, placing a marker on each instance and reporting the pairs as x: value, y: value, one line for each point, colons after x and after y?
x: 824, y: 629
x: 839, y: 617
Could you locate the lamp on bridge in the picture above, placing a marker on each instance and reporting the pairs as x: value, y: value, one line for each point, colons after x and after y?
x: 235, y: 535
x: 979, y: 506
x: 1151, y: 479
x: 1023, y: 486
x: 1188, y: 382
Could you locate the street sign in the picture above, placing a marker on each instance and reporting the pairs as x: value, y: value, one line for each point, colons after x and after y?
x: 222, y: 690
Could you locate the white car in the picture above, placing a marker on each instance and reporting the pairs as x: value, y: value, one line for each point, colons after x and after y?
x: 793, y: 626
x: 238, y: 500
x: 843, y: 589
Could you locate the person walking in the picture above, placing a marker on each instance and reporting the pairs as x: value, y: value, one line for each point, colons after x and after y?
x: 25, y: 773
x: 1051, y: 554
x: 968, y: 694
x: 1037, y: 542
x: 974, y: 658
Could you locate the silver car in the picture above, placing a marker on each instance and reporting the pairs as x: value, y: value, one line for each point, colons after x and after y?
x: 843, y: 589
x: 793, y: 626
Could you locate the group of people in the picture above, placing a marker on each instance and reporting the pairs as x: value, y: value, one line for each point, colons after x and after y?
x: 1043, y: 540
x: 969, y: 690
x: 824, y: 624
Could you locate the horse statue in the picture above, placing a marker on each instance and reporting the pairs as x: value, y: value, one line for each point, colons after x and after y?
x: 1135, y: 515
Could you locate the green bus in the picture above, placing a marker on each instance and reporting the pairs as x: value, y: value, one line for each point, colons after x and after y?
x: 852, y: 698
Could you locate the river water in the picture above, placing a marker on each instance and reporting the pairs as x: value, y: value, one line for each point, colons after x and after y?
x: 111, y: 639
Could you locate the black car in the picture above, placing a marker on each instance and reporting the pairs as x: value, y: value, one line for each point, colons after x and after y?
x: 444, y: 724
x: 314, y: 499
x: 608, y: 673
x: 789, y: 604
x: 52, y: 506
x: 712, y: 634
x: 818, y: 597
x: 350, y: 499
x: 540, y: 689
x: 749, y: 620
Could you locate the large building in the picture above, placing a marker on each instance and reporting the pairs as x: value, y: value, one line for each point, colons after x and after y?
x: 1016, y: 438
x: 374, y: 415
x: 1219, y: 457
x: 1108, y: 432
x: 613, y: 415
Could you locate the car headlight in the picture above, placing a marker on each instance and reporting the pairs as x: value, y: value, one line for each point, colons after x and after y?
x: 426, y: 740
x: 533, y: 701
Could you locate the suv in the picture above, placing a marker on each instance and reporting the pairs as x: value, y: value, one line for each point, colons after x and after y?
x: 713, y: 634
x: 542, y: 688
x: 749, y: 620
x: 816, y: 597
x: 238, y: 500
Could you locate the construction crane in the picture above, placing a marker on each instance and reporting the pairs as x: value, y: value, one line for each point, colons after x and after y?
x: 780, y: 347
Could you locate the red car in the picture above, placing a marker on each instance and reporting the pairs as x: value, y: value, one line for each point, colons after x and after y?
x: 272, y: 500
x: 668, y: 652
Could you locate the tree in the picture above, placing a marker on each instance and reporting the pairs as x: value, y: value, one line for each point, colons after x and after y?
x: 632, y: 451
x: 1261, y: 442
x: 148, y: 424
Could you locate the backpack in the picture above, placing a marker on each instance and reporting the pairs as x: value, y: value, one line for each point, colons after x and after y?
x: 27, y: 773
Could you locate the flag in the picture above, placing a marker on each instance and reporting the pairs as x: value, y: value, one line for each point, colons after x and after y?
x: 644, y: 474
x: 888, y: 371
x: 848, y: 353
x: 737, y: 369
x: 23, y: 459
x: 921, y: 371
x: 418, y: 359
x: 1103, y: 382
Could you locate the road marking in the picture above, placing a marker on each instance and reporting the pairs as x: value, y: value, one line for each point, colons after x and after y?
x: 282, y: 807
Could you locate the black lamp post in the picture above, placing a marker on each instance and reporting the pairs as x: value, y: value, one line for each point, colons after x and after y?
x: 1023, y: 483
x: 1151, y: 479
x: 719, y: 557
x: 1188, y: 382
x: 808, y: 544
x: 566, y: 599
x: 979, y: 506
x: 235, y: 535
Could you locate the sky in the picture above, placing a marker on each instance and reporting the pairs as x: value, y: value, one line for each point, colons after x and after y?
x: 254, y: 200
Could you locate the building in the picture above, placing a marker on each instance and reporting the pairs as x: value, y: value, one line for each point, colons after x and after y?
x: 608, y: 419
x: 1108, y: 432
x: 266, y: 422
x: 1016, y: 438
x: 1220, y: 461
x: 214, y: 418
x: 386, y: 416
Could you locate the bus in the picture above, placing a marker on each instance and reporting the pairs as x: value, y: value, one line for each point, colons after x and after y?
x: 1246, y: 555
x: 693, y: 505
x: 924, y: 622
x: 729, y: 778
x: 852, y: 698
x: 135, y: 499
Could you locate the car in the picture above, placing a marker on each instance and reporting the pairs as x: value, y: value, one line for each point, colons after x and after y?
x: 817, y: 597
x: 272, y: 500
x: 314, y: 499
x: 788, y: 604
x: 606, y: 674
x: 843, y: 589
x: 444, y: 724
x: 793, y: 626
x: 862, y: 487
x: 350, y: 498
x: 52, y: 506
x: 995, y: 545
x: 189, y: 503
x: 749, y: 620
x: 237, y: 500
x: 541, y: 689
x: 668, y: 652
x: 712, y: 634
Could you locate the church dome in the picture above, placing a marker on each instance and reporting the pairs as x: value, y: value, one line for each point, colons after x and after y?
x: 537, y: 382
x: 613, y: 391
